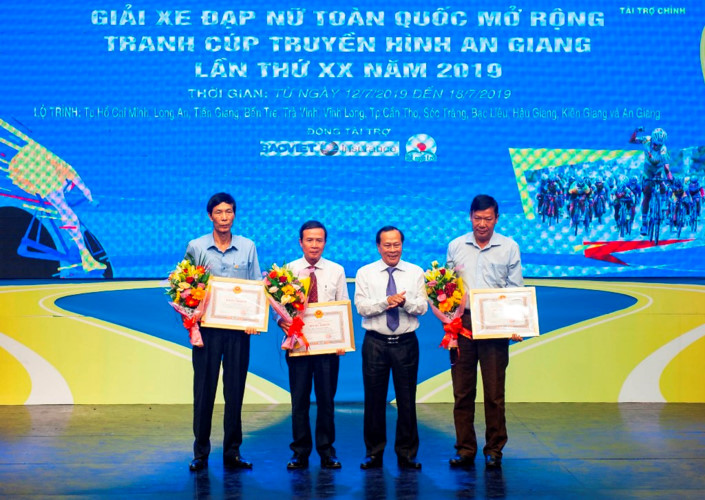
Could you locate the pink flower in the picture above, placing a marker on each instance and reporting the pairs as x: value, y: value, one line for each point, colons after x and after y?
x: 441, y: 297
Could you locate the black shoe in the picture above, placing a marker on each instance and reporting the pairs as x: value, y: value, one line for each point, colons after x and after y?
x: 297, y: 462
x: 330, y: 462
x: 236, y: 463
x: 493, y: 462
x: 371, y: 462
x: 198, y: 464
x: 408, y: 463
x: 462, y: 461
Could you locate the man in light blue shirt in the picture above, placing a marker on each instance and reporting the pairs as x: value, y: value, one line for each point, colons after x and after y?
x: 230, y: 256
x: 389, y: 295
x: 484, y: 259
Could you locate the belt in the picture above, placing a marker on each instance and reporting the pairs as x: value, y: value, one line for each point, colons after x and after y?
x: 391, y: 339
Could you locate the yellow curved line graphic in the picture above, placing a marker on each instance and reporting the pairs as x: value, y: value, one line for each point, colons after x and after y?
x: 590, y: 361
x: 586, y: 362
x: 103, y: 362
x: 46, y: 385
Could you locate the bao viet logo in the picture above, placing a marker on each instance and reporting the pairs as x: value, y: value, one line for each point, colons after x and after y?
x: 421, y: 147
x: 330, y: 148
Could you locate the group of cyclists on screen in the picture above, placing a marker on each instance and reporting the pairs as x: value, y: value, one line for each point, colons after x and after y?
x: 665, y: 200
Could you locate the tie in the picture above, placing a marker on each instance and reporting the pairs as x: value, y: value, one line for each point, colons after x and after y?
x: 392, y: 314
x: 313, y: 287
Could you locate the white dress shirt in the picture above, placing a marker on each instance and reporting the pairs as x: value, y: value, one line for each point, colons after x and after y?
x: 330, y: 278
x: 371, y: 296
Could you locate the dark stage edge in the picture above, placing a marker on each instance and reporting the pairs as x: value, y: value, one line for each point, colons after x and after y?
x: 567, y: 450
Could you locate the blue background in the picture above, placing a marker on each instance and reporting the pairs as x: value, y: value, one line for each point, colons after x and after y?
x: 153, y: 177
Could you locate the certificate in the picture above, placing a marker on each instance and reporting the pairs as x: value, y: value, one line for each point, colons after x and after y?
x: 236, y: 304
x: 502, y: 312
x: 327, y: 327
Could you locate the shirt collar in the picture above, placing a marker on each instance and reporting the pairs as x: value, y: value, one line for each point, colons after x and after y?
x: 494, y: 240
x: 211, y: 241
x: 321, y: 264
x: 382, y: 266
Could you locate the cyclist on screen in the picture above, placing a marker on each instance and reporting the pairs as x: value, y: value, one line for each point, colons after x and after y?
x: 656, y: 165
x: 635, y: 187
x: 542, y: 191
x: 38, y: 171
x: 679, y: 194
x: 696, y: 192
x: 577, y: 191
x: 601, y: 190
x: 624, y: 199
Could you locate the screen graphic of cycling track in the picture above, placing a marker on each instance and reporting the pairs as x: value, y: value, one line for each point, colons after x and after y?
x: 120, y: 342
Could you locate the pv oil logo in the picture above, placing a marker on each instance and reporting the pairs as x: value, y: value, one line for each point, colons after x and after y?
x: 420, y: 148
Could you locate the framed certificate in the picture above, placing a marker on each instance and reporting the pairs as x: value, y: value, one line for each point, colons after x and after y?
x: 327, y: 327
x: 236, y: 304
x: 502, y: 312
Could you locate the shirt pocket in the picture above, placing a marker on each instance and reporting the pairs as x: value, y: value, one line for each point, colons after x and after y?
x: 495, y: 275
x: 240, y: 269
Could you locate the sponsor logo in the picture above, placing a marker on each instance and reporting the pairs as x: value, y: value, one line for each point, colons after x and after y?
x: 420, y: 148
x: 331, y: 148
x: 290, y: 148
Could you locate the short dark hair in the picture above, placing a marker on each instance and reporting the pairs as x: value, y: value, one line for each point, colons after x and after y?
x: 483, y: 202
x: 219, y: 198
x: 312, y: 224
x: 386, y: 229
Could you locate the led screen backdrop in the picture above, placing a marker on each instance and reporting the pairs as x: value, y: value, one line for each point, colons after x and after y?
x: 118, y: 124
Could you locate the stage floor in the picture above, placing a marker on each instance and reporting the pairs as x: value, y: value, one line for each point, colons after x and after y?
x: 554, y: 451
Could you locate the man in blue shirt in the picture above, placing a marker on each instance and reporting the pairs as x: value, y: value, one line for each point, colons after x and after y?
x: 485, y: 259
x: 230, y: 256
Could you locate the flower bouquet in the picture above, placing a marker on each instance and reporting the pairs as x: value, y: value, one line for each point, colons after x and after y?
x: 187, y: 289
x: 447, y: 297
x: 288, y: 296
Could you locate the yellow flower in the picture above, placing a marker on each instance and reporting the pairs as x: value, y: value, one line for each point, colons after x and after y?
x: 288, y: 290
x: 434, y: 263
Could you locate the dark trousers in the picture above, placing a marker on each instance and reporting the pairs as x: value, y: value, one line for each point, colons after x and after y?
x: 232, y: 347
x: 321, y: 372
x: 493, y: 356
x: 402, y: 358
